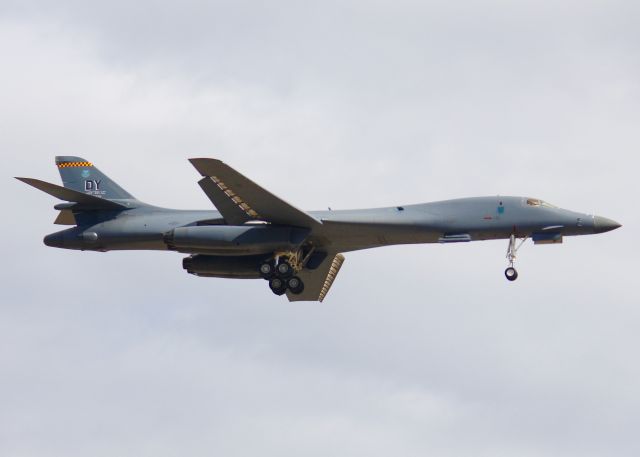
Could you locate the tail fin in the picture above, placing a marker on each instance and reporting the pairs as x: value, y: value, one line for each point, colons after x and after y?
x: 81, y: 176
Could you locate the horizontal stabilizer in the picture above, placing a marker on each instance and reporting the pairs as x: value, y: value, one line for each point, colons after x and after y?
x: 241, y: 200
x: 69, y: 195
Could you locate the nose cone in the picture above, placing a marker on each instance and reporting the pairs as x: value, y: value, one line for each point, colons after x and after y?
x: 602, y: 224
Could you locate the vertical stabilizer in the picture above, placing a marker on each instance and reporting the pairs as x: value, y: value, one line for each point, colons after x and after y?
x: 80, y: 175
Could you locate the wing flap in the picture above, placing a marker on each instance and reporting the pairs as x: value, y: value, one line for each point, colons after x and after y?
x: 240, y: 199
x: 232, y: 213
x: 318, y: 282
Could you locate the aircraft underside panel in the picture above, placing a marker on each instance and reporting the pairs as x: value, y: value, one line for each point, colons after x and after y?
x: 318, y: 282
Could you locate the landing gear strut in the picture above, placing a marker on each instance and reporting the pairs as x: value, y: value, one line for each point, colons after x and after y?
x: 281, y: 276
x: 511, y: 273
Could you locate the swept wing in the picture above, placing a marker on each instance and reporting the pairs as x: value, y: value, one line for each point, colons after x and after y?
x: 240, y: 200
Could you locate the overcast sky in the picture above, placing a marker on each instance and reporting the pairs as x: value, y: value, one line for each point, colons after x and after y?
x: 420, y: 350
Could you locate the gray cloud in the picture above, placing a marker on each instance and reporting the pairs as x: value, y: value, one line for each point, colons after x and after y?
x: 417, y: 350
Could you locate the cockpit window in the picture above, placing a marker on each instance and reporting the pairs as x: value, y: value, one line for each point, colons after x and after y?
x: 538, y: 202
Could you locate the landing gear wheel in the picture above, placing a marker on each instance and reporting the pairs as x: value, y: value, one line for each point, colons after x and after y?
x: 267, y: 270
x: 277, y: 286
x: 511, y: 273
x: 295, y: 285
x: 284, y: 270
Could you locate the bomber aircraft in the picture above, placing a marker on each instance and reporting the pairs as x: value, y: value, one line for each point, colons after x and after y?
x: 255, y: 234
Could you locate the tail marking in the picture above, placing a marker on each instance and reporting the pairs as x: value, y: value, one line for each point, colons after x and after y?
x: 74, y: 164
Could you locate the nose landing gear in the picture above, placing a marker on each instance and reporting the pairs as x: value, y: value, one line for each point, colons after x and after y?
x: 511, y: 273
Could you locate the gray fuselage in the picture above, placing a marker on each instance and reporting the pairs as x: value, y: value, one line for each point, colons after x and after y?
x: 147, y: 227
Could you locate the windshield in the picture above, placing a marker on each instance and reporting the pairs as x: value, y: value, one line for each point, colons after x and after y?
x: 538, y: 202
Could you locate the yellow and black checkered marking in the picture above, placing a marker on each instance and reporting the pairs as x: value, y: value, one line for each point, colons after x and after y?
x: 74, y: 164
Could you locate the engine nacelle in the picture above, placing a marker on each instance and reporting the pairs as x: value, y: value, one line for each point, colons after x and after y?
x: 234, y: 240
x: 213, y: 266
